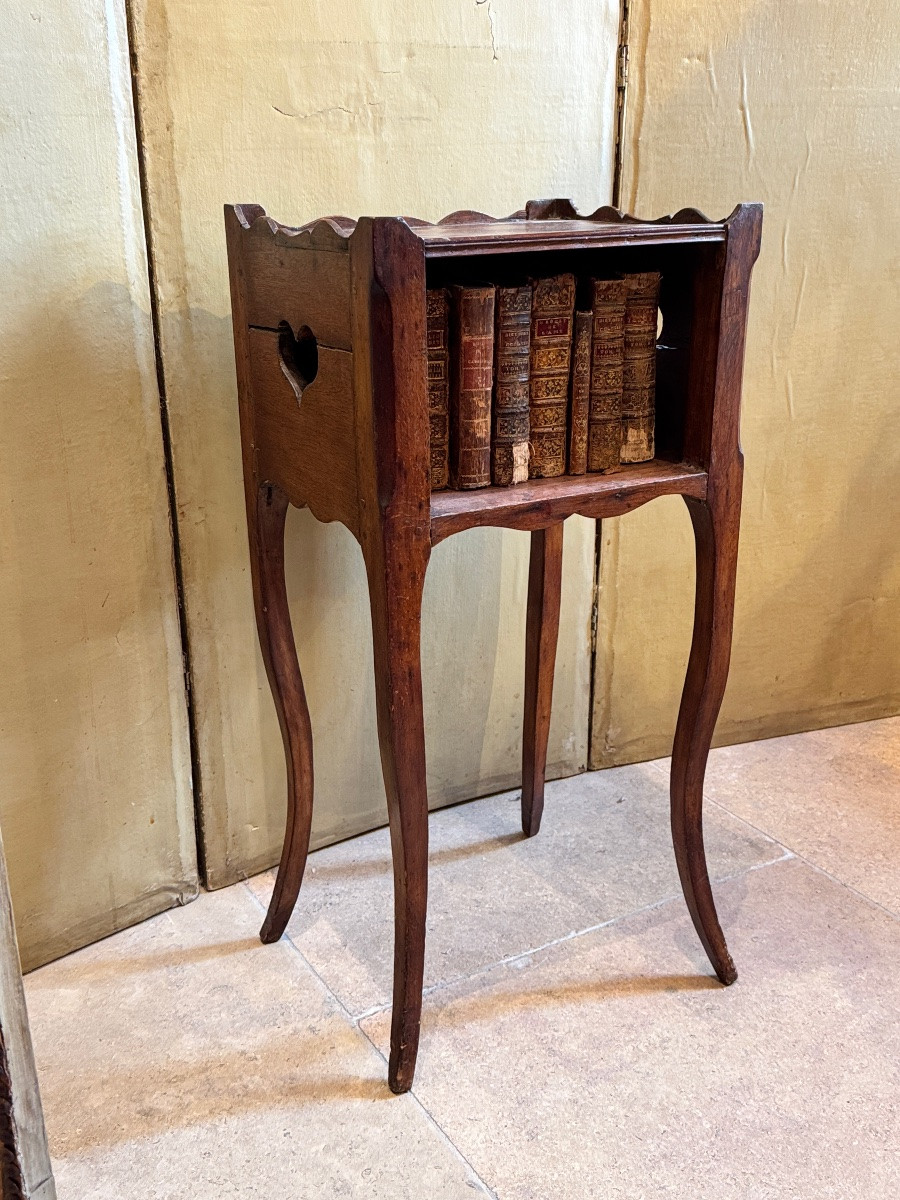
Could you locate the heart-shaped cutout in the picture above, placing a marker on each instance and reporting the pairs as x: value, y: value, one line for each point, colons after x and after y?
x: 299, y: 356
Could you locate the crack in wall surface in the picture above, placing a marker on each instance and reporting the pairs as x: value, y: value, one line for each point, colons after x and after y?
x: 492, y: 21
x: 319, y: 112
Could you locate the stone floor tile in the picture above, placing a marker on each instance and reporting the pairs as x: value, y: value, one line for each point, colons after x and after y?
x: 182, y: 1058
x: 832, y: 796
x: 612, y: 1065
x: 604, y: 850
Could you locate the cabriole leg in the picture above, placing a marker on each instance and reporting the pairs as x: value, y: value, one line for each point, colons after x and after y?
x: 276, y: 639
x: 396, y: 572
x: 716, y: 536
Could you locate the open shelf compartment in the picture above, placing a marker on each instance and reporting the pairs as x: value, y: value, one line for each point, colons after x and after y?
x: 539, y: 501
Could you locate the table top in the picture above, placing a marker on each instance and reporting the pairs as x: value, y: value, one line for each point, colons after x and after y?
x: 514, y: 236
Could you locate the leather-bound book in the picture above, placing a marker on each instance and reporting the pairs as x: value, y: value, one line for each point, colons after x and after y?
x: 580, y: 394
x: 471, y: 383
x: 639, y: 377
x: 509, y: 441
x: 437, y: 336
x: 607, y: 344
x: 552, y: 308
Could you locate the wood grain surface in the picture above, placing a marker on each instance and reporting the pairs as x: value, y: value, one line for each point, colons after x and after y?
x: 352, y: 444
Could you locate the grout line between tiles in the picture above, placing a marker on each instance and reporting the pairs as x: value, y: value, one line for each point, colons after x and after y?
x: 431, y: 1119
x: 802, y: 858
x: 568, y: 937
x: 710, y: 798
x: 355, y: 1022
x: 296, y: 949
x: 849, y: 887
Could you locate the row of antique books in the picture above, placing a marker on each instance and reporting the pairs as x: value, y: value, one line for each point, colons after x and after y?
x: 525, y: 384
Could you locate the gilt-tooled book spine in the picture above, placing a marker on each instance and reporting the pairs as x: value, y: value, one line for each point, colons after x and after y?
x: 509, y: 442
x: 471, y: 383
x: 639, y: 376
x: 552, y: 308
x: 607, y: 344
x: 437, y: 309
x: 580, y: 394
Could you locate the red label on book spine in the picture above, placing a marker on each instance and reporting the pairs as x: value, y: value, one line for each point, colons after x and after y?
x: 552, y: 327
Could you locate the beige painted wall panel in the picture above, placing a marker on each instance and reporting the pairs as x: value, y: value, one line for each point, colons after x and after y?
x: 371, y: 107
x: 794, y: 105
x: 96, y: 806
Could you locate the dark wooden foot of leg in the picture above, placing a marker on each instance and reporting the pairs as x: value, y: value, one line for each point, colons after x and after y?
x: 542, y: 630
x: 716, y: 534
x: 273, y: 620
x: 396, y: 572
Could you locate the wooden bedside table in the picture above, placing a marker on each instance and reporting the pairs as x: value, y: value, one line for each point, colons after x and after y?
x: 329, y: 332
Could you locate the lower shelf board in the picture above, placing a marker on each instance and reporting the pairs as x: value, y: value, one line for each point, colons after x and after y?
x: 541, y: 502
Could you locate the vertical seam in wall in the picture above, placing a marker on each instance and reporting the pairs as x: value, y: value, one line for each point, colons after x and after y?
x: 166, y: 439
x: 621, y: 96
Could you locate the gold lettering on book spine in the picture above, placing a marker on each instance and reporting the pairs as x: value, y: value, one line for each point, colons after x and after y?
x: 437, y: 304
x: 607, y: 344
x: 553, y: 304
x: 510, y: 449
x: 639, y: 367
x: 471, y: 380
x: 580, y: 394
